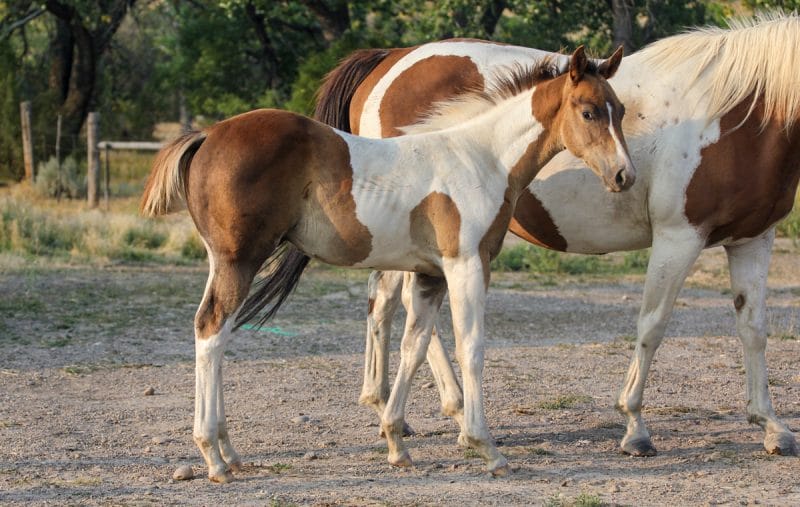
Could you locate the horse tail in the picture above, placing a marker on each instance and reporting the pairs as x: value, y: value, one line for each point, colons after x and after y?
x: 339, y: 85
x: 282, y: 273
x: 164, y: 191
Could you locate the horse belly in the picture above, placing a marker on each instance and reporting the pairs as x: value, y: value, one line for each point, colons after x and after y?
x: 567, y: 208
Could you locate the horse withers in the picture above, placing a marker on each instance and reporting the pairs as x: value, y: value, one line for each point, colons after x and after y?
x: 437, y: 204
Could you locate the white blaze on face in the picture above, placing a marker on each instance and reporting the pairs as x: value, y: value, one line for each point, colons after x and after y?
x: 621, y: 153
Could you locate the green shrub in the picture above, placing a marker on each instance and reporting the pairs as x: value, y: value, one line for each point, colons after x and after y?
x: 144, y: 237
x: 533, y: 259
x: 193, y: 248
x: 68, y: 182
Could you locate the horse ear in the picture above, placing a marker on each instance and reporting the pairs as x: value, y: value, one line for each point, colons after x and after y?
x: 577, y: 64
x: 609, y: 67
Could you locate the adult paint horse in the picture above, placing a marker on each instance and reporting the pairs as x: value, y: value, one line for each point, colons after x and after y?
x: 437, y: 204
x: 718, y: 154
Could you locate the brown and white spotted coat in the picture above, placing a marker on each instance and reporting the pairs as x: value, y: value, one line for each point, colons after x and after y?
x: 708, y: 174
x: 436, y: 203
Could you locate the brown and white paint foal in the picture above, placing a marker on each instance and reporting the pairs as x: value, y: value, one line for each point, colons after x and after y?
x: 437, y: 204
x: 711, y: 126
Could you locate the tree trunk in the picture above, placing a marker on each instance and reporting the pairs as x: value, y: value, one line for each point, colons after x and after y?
x: 623, y: 30
x: 491, y: 16
x: 333, y: 16
x: 76, y: 52
x: 61, y: 54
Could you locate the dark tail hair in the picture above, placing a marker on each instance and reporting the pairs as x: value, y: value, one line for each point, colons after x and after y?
x: 282, y: 272
x: 336, y: 92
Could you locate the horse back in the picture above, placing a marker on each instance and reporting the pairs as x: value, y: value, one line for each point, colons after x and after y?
x: 258, y: 171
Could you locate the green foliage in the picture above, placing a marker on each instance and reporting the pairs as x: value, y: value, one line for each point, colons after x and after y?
x: 533, y: 259
x: 10, y: 146
x: 193, y: 248
x: 67, y: 181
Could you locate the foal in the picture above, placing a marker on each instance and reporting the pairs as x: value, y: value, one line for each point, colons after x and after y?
x: 437, y: 204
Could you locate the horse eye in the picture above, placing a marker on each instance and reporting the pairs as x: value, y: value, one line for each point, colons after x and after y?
x: 588, y: 116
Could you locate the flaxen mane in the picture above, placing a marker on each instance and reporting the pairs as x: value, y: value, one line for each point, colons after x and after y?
x: 756, y: 57
x: 508, y: 83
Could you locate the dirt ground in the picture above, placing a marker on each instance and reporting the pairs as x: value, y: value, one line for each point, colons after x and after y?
x: 79, y: 346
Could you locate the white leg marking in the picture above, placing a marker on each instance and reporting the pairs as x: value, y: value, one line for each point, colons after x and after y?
x: 208, y: 400
x: 421, y: 317
x: 468, y: 304
x: 673, y: 253
x: 383, y: 290
x: 748, y: 266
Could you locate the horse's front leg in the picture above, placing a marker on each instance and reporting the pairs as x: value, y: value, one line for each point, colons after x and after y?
x: 468, y: 285
x: 673, y: 253
x: 748, y: 266
x: 422, y: 296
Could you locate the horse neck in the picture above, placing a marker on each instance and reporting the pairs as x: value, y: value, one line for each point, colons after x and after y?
x: 510, y: 135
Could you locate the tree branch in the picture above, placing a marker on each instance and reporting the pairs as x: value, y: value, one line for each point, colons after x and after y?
x: 6, y: 30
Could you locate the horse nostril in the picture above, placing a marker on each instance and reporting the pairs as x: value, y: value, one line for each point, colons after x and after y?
x: 619, y: 179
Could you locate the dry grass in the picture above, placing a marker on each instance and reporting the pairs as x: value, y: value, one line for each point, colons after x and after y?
x: 31, y: 226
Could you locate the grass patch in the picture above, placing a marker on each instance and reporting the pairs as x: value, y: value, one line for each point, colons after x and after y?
x: 80, y: 369
x: 278, y: 468
x: 533, y: 259
x: 582, y: 500
x: 564, y: 402
x: 32, y: 226
x: 471, y: 454
x: 540, y: 451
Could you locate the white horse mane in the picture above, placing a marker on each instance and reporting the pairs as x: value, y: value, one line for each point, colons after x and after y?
x: 756, y: 56
x: 509, y: 82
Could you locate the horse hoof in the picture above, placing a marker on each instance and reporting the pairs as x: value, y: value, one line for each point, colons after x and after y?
x: 222, y: 478
x: 501, y: 469
x: 782, y: 444
x: 640, y: 447
x: 402, y: 459
x: 236, y: 465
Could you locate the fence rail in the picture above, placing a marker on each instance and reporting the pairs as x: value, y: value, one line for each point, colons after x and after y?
x: 130, y: 145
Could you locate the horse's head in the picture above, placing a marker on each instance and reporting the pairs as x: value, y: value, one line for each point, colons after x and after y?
x: 590, y: 120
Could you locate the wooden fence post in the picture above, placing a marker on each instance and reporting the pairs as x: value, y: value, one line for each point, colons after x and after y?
x: 27, y: 139
x: 93, y: 153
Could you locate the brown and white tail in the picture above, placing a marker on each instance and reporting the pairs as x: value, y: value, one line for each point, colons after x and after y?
x: 164, y: 190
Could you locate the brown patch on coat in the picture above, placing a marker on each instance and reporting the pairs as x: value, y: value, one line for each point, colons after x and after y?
x: 430, y: 287
x: 417, y: 88
x: 545, y: 104
x: 366, y: 86
x: 747, y: 180
x: 248, y: 180
x: 370, y: 306
x: 738, y: 302
x: 436, y: 225
x: 533, y: 223
x: 492, y: 240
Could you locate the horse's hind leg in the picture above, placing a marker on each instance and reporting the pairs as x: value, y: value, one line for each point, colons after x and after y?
x: 384, y: 297
x: 450, y: 392
x: 674, y: 251
x: 422, y: 296
x: 227, y: 287
x: 748, y: 266
x: 384, y: 288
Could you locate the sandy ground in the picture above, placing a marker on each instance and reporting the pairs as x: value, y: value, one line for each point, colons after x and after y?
x: 79, y: 347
